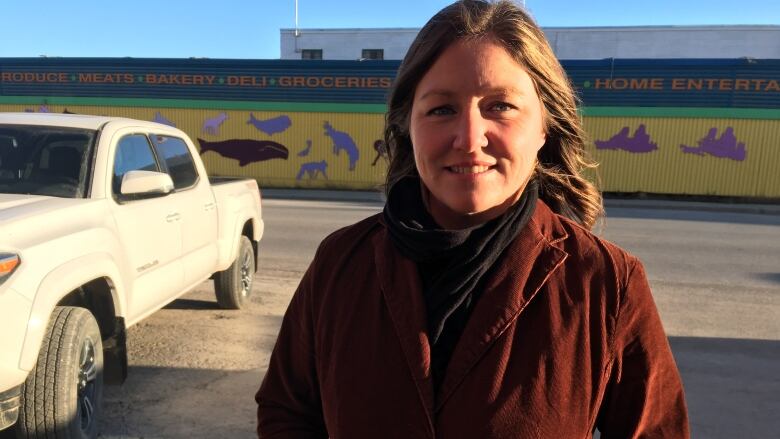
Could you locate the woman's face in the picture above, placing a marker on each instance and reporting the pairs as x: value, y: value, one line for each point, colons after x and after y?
x: 476, y: 127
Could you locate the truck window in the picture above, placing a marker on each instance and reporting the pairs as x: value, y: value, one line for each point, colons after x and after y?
x: 133, y: 153
x: 178, y: 159
x: 43, y: 160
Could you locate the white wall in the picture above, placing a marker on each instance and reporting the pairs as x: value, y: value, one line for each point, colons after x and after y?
x: 347, y: 43
x: 666, y: 42
x: 568, y: 43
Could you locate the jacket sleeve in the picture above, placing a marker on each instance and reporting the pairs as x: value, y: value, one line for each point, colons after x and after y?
x: 644, y: 395
x: 289, y: 404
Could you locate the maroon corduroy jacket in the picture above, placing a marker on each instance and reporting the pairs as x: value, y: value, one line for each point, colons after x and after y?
x: 565, y: 337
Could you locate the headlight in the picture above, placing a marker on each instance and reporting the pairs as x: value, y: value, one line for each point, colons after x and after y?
x: 8, y: 264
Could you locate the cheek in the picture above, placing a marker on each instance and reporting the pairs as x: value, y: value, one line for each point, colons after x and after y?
x: 426, y: 145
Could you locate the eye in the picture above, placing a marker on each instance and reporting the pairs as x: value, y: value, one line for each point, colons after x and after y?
x: 444, y: 110
x: 502, y: 106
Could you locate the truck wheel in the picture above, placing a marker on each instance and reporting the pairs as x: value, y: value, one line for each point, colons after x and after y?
x: 61, y: 396
x: 234, y: 285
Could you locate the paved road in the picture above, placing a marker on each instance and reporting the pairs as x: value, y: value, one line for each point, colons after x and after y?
x: 715, y: 276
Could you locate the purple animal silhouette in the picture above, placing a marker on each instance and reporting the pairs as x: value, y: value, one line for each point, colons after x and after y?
x: 41, y: 109
x: 725, y: 147
x: 211, y: 126
x: 305, y: 152
x: 246, y: 151
x: 159, y: 118
x: 312, y: 169
x: 343, y: 142
x: 638, y: 143
x: 381, y: 151
x: 270, y: 126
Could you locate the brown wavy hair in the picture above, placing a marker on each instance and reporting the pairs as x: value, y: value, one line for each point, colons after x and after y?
x: 561, y: 160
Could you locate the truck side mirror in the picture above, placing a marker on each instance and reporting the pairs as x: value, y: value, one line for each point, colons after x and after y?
x: 146, y: 183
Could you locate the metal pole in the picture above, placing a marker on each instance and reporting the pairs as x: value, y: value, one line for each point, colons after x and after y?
x: 296, y: 19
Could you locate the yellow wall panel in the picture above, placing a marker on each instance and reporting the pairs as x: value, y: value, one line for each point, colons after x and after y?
x: 348, y: 153
x: 709, y: 167
x: 627, y: 163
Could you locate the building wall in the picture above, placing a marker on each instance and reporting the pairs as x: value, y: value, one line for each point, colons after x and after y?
x: 666, y: 42
x: 705, y: 127
x: 343, y: 150
x: 346, y: 44
x: 687, y: 155
x: 567, y: 42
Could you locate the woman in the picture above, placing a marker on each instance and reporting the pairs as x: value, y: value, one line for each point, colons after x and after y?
x: 478, y: 304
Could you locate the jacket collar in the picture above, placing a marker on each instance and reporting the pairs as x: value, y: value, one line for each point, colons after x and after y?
x: 525, y: 266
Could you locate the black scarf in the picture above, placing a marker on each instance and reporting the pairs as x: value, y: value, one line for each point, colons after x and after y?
x: 451, y: 262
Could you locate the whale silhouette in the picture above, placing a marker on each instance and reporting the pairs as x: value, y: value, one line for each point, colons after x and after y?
x: 270, y: 126
x: 246, y: 151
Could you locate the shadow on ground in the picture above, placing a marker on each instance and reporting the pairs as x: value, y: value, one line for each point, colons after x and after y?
x: 771, y: 277
x: 173, y: 403
x: 693, y: 215
x: 732, y: 386
x: 732, y: 389
x: 192, y: 304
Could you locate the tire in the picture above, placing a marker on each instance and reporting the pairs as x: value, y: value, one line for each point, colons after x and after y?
x: 61, y: 397
x: 234, y: 285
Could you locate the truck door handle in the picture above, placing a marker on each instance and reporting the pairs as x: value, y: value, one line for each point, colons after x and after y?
x: 172, y: 217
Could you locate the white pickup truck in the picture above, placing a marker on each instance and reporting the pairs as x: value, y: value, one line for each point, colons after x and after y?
x: 103, y: 221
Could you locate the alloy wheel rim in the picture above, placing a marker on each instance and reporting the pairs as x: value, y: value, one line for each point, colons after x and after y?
x: 87, y: 385
x: 246, y: 274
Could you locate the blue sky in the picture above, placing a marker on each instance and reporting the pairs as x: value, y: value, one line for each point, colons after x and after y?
x: 250, y: 28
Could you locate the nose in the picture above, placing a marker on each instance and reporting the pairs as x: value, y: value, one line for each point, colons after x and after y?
x: 471, y: 133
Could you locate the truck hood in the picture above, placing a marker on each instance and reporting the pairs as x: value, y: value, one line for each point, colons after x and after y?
x: 19, y: 206
x: 27, y: 220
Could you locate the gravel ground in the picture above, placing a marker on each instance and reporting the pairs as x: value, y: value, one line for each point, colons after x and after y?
x: 194, y: 368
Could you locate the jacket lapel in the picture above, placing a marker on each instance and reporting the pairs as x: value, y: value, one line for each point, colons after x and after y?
x: 402, y: 290
x: 522, y: 270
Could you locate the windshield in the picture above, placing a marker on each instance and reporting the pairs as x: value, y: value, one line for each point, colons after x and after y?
x: 44, y: 160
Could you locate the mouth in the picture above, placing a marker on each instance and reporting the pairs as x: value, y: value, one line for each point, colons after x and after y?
x: 469, y: 169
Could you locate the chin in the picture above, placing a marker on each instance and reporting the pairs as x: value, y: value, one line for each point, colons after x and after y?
x: 468, y: 207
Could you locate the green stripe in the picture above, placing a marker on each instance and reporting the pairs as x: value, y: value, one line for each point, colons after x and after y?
x: 314, y: 107
x: 318, y: 107
x: 709, y: 113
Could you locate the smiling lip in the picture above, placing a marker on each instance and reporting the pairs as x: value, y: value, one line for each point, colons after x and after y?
x: 469, y: 169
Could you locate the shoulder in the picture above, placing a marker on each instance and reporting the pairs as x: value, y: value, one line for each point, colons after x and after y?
x: 346, y: 243
x: 586, y: 251
x: 353, y: 235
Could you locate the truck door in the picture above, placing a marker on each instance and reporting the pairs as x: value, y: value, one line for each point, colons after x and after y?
x: 149, y: 230
x: 197, y: 206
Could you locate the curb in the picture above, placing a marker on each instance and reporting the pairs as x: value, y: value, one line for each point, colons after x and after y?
x: 609, y: 202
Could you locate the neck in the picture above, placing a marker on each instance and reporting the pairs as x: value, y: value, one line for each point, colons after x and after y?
x: 449, y: 219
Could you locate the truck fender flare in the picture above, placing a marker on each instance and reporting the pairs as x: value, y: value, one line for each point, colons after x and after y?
x: 56, y: 285
x: 235, y: 236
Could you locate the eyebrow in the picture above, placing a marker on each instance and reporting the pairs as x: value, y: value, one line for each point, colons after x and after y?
x: 502, y: 91
x: 437, y: 92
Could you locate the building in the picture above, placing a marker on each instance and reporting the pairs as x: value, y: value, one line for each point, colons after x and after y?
x: 567, y: 42
x: 668, y: 110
